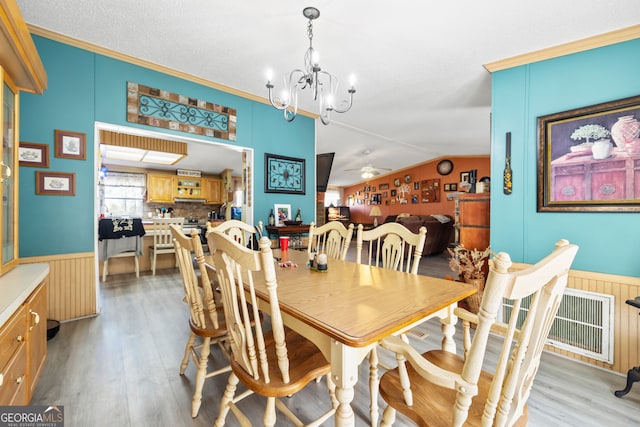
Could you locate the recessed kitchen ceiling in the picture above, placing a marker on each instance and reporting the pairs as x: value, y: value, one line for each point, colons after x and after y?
x: 207, y: 157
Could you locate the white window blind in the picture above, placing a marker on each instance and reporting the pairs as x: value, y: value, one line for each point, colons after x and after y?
x: 122, y: 194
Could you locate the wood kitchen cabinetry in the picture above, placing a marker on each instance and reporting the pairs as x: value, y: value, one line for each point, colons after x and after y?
x: 164, y: 188
x: 160, y: 188
x: 211, y: 190
x: 23, y: 348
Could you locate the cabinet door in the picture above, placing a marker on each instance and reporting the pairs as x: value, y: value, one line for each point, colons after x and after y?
x: 37, y: 335
x: 160, y: 188
x: 8, y: 175
x: 211, y: 190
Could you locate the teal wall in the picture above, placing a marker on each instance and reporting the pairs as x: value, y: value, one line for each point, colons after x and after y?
x: 609, y: 242
x: 85, y: 87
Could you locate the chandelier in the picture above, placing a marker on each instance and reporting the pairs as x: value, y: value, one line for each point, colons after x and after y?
x: 323, y: 84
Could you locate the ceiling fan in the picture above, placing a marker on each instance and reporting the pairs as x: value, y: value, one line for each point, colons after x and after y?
x: 369, y: 171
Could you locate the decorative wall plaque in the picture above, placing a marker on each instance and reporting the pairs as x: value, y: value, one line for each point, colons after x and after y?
x: 159, y: 108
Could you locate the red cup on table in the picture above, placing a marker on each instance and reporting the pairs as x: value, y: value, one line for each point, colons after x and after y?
x: 284, y: 243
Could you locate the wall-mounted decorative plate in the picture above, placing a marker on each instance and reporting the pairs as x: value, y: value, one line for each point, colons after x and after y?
x: 444, y: 167
x: 396, y: 182
x: 407, y: 178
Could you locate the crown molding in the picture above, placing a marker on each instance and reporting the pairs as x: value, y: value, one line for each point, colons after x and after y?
x: 600, y: 40
x: 71, y: 41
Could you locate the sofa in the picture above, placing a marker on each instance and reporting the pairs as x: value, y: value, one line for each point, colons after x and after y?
x: 440, y: 230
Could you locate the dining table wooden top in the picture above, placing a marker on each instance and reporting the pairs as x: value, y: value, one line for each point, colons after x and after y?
x: 356, y: 304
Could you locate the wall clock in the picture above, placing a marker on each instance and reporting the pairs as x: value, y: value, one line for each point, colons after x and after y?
x: 444, y: 167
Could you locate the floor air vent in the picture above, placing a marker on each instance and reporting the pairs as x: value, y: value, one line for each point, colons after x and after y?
x: 583, y: 325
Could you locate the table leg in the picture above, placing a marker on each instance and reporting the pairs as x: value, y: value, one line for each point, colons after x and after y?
x: 344, y: 371
x: 632, y: 376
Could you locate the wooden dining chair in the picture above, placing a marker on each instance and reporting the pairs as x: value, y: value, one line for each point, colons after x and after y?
x: 392, y: 246
x: 206, y: 320
x: 332, y: 238
x: 450, y: 390
x: 245, y: 234
x: 162, y: 239
x: 270, y: 360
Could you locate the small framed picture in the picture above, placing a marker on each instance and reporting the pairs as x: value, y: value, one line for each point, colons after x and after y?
x: 464, y: 176
x: 34, y: 155
x: 416, y: 185
x: 454, y: 187
x: 393, y: 193
x: 283, y: 213
x: 447, y: 187
x: 55, y: 183
x: 70, y: 145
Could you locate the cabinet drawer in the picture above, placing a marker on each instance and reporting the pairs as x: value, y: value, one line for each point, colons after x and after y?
x: 13, y: 390
x: 12, y: 335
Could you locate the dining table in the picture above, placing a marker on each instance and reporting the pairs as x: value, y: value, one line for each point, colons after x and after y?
x: 348, y: 308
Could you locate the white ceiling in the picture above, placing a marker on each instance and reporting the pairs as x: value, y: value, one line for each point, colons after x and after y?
x: 422, y: 91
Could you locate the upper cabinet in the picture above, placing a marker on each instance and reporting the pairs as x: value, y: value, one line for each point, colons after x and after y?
x: 165, y: 188
x: 18, y: 54
x: 8, y: 175
x: 20, y: 70
x: 160, y: 188
x: 211, y: 190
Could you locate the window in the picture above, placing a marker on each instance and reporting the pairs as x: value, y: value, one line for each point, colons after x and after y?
x: 122, y: 194
x: 332, y: 197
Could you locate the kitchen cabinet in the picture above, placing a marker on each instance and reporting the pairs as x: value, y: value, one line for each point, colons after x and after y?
x: 211, y: 190
x: 23, y: 332
x: 37, y: 335
x: 20, y: 70
x: 160, y: 188
x: 188, y: 188
x: 8, y: 174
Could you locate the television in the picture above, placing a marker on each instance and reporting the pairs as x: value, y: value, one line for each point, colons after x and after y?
x: 323, y: 170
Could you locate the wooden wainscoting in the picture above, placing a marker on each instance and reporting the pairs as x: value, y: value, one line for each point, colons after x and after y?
x: 71, y: 292
x: 626, y: 342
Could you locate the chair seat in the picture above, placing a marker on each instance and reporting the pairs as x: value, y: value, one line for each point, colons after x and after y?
x: 209, y: 331
x: 306, y: 363
x: 428, y: 411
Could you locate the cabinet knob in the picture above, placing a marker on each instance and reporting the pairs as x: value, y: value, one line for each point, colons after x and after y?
x: 36, y: 319
x: 20, y: 379
x: 19, y: 338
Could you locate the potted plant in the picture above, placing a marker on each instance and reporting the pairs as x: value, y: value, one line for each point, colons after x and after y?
x: 469, y: 265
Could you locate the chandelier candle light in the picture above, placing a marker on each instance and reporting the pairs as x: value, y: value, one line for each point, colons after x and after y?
x: 323, y: 84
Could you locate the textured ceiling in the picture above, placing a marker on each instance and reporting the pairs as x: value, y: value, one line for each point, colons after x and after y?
x: 422, y: 91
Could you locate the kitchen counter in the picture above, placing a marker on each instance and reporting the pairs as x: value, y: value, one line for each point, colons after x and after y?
x: 17, y: 285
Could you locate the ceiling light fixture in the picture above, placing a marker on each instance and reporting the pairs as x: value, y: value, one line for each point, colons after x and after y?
x: 133, y: 148
x: 323, y: 84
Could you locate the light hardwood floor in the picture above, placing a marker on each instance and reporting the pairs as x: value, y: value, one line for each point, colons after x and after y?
x: 121, y: 369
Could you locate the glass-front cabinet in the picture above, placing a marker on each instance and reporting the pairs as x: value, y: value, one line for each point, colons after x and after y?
x: 8, y: 174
